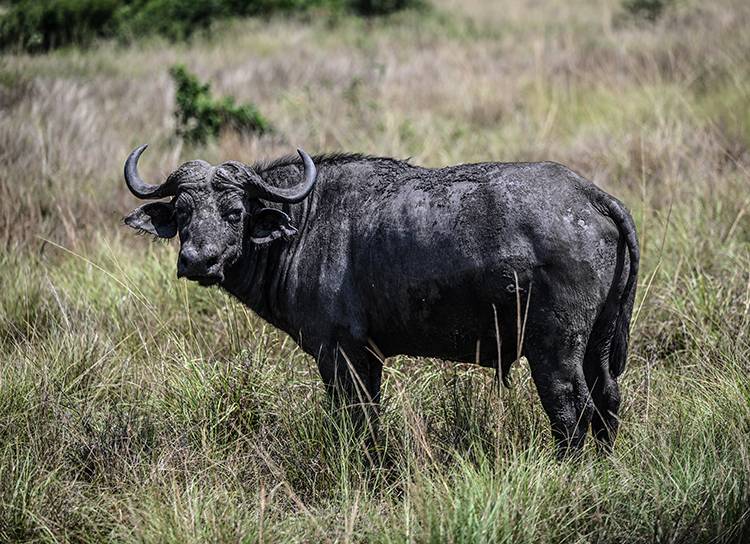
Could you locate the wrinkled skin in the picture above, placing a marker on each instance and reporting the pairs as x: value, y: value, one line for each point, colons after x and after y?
x: 386, y: 258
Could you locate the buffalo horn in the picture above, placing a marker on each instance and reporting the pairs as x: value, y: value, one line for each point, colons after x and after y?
x: 291, y: 195
x: 137, y: 186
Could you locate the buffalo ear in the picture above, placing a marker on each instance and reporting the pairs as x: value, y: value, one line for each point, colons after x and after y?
x: 268, y: 224
x: 155, y: 218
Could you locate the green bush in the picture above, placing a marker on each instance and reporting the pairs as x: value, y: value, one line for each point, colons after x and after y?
x: 645, y: 9
x: 35, y: 25
x: 200, y: 117
x: 40, y: 25
x: 381, y: 7
x: 174, y: 19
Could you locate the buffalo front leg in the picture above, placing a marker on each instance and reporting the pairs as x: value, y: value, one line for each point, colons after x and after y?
x: 352, y: 377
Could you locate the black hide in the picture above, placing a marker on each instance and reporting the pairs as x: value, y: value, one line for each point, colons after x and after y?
x: 390, y: 258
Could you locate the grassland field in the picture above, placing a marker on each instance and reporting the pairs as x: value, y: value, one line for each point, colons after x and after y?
x: 138, y: 408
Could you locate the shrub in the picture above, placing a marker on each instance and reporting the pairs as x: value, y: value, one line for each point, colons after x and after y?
x: 174, y: 19
x: 200, y: 117
x: 645, y: 9
x: 35, y: 25
x: 381, y: 7
x: 40, y: 25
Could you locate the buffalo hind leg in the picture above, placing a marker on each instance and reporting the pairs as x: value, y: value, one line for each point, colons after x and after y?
x: 556, y: 362
x: 605, y: 422
x: 606, y: 396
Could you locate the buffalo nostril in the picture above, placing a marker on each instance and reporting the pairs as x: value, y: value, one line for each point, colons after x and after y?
x: 211, y: 262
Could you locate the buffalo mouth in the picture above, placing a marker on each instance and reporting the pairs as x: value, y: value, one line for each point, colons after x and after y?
x: 205, y: 272
x: 204, y: 280
x: 207, y: 281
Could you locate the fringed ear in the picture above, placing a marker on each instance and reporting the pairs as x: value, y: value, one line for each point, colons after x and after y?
x: 268, y: 224
x: 155, y: 218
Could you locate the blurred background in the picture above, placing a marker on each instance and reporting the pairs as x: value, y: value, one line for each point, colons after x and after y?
x: 646, y: 99
x: 134, y: 407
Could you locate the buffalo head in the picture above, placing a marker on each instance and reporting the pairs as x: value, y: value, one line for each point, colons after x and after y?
x: 215, y: 210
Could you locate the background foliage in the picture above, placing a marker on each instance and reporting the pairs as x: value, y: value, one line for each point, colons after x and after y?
x: 199, y: 116
x: 646, y: 9
x: 40, y: 25
x: 135, y: 407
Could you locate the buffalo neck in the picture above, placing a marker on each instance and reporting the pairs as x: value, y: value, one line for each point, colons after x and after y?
x: 258, y: 278
x: 252, y: 280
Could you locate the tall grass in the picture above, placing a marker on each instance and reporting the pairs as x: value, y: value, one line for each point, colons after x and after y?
x: 135, y: 407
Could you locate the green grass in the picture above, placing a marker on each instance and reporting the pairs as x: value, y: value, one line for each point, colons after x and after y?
x: 138, y: 408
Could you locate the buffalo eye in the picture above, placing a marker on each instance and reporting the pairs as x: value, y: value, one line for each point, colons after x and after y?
x: 233, y: 216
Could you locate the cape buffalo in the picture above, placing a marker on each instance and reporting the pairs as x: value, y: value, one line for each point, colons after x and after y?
x: 360, y: 258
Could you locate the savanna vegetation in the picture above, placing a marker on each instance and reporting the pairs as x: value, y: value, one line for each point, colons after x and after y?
x: 138, y: 408
x: 41, y: 25
x: 199, y: 116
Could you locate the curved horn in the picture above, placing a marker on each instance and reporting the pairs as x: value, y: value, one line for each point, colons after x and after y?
x: 292, y: 195
x: 137, y: 186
